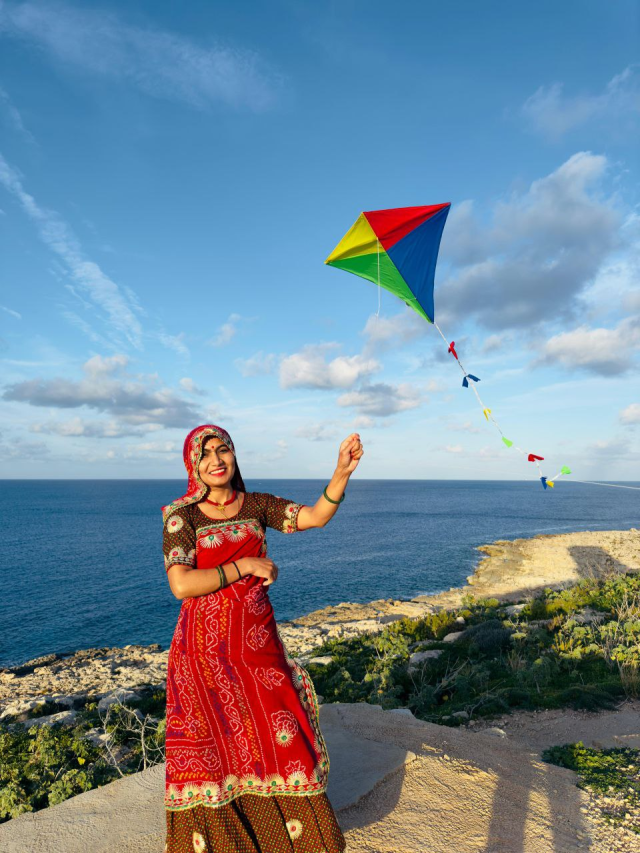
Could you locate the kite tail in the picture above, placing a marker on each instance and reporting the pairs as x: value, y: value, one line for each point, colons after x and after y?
x: 486, y: 411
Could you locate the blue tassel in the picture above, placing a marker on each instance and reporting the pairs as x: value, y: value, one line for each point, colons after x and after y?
x: 465, y: 384
x: 543, y: 480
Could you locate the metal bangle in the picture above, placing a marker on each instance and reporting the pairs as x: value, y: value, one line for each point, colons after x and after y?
x: 237, y: 569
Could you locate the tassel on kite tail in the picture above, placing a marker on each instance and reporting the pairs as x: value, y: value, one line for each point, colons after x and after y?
x: 531, y: 457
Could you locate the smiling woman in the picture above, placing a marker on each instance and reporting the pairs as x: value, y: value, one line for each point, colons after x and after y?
x: 246, y: 764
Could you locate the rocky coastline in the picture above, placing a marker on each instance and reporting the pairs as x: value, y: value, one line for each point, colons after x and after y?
x: 58, y: 685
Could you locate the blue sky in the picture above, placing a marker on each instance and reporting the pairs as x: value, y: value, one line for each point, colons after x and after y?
x: 172, y: 177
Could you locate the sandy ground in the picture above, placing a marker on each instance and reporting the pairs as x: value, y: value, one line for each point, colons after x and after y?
x: 481, y: 792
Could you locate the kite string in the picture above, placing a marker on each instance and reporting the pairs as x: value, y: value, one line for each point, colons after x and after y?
x: 610, y: 485
x: 378, y: 245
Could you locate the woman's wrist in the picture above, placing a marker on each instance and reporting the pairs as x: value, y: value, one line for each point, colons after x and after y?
x: 242, y: 567
x: 338, y: 484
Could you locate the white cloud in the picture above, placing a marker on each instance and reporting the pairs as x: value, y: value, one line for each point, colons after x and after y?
x: 467, y: 426
x: 612, y: 449
x: 259, y: 364
x: 541, y: 249
x: 631, y: 415
x: 81, y: 428
x: 175, y: 343
x: 395, y: 331
x: 553, y: 114
x: 604, y: 351
x: 382, y: 399
x: 161, y: 64
x: 316, y: 432
x: 190, y: 387
x: 309, y: 368
x: 494, y: 343
x: 13, y: 116
x: 364, y: 422
x: 454, y: 448
x: 152, y: 449
x: 24, y: 451
x: 107, y: 387
x: 226, y: 332
x: 116, y: 304
x: 11, y: 312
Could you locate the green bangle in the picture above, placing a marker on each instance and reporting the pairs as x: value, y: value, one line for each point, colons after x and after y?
x: 223, y: 579
x: 331, y: 501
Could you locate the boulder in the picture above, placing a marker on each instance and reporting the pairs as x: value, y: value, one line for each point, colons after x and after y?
x: 587, y: 616
x: 451, y: 638
x: 428, y: 654
x: 121, y: 694
x: 67, y: 718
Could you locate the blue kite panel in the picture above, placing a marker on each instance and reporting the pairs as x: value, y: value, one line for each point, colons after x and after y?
x: 415, y: 258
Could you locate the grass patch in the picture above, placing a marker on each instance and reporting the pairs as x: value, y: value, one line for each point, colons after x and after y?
x: 611, y: 775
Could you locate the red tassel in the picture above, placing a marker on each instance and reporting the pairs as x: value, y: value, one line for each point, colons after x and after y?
x: 452, y: 350
x: 532, y: 457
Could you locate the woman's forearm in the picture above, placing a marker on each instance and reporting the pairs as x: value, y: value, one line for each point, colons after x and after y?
x: 323, y: 510
x: 203, y: 581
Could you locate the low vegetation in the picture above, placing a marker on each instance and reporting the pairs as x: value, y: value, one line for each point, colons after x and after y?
x: 578, y: 647
x: 611, y: 776
x: 42, y: 765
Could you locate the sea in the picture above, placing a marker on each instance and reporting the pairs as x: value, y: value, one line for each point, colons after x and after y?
x: 82, y: 564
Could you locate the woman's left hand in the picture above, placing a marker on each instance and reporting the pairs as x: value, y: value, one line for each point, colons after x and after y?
x: 350, y: 453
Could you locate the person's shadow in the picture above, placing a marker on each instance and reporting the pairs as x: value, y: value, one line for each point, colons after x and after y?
x: 594, y: 563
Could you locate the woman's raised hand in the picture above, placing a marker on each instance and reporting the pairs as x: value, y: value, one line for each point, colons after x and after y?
x: 350, y: 453
x: 263, y: 567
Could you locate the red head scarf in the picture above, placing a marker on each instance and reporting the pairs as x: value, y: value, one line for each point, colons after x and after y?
x: 192, y: 454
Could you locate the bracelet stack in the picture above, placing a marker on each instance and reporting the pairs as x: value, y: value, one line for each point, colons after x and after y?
x: 331, y: 501
x: 223, y: 578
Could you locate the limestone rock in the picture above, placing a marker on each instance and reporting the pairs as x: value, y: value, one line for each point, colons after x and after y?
x: 67, y: 718
x: 451, y: 638
x: 428, y: 654
x: 121, y: 695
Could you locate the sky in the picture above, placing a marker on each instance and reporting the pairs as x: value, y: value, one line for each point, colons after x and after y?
x: 173, y: 176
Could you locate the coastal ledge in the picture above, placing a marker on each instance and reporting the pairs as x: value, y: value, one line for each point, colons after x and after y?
x: 511, y: 571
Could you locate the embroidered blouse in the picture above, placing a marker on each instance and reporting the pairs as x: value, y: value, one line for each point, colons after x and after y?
x: 188, y: 529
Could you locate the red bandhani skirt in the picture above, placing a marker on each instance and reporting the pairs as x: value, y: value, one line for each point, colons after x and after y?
x: 246, y: 763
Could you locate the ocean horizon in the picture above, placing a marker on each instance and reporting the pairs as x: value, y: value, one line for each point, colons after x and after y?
x: 84, y: 557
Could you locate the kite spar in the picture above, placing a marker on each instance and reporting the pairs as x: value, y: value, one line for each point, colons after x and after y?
x: 398, y: 249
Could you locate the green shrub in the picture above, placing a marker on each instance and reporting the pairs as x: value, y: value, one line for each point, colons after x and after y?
x: 44, y: 765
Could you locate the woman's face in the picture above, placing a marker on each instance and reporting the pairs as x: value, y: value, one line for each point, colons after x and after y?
x: 218, y: 463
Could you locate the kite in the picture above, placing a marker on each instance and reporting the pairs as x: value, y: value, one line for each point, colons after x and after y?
x: 397, y: 249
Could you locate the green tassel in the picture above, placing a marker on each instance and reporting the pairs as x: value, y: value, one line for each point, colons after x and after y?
x: 565, y: 470
x: 507, y: 442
